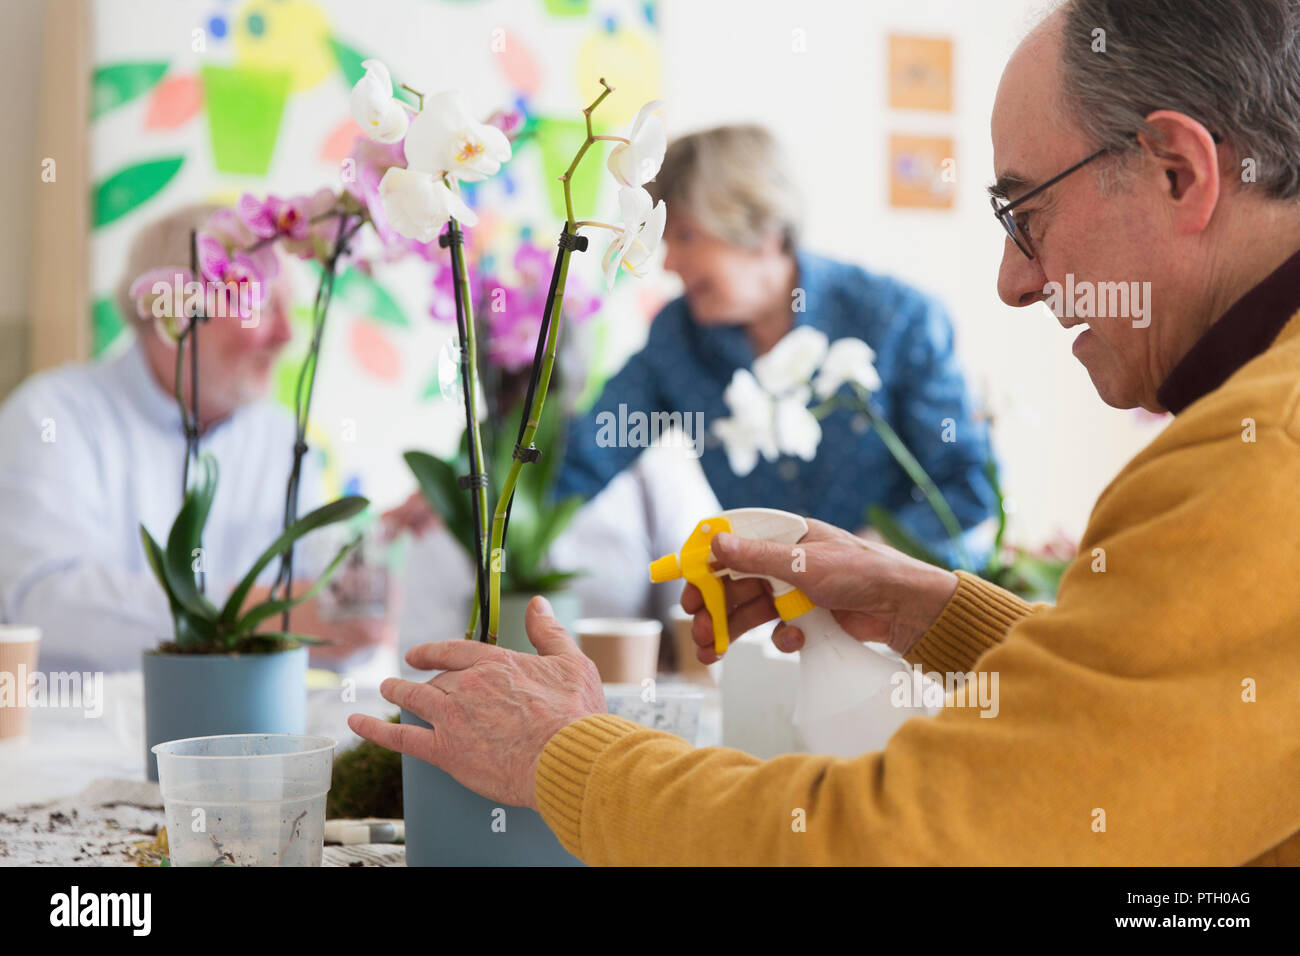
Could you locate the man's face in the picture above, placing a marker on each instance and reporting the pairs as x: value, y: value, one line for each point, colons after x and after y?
x: 724, y: 284
x: 1077, y: 230
x: 237, y: 360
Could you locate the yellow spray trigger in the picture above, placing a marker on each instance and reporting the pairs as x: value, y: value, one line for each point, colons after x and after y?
x: 693, y: 565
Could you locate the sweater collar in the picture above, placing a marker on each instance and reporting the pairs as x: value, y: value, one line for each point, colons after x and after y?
x: 1243, y: 332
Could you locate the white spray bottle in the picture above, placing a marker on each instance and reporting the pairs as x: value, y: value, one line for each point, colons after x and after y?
x: 844, y: 705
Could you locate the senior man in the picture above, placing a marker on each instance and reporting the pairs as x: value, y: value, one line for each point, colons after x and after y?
x: 89, y: 452
x: 1149, y: 716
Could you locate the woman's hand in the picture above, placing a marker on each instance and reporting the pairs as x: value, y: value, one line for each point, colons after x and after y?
x: 875, y: 592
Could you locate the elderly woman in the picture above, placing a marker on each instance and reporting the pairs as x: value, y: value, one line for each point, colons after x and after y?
x: 732, y: 236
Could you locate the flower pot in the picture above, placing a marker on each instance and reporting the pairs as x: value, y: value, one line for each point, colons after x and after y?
x: 448, y: 824
x: 245, y: 799
x: 203, y: 695
x: 510, y: 628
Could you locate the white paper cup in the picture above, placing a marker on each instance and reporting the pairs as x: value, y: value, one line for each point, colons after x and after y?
x: 19, y: 651
x: 624, y: 649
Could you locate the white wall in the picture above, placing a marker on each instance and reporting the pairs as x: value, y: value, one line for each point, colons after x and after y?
x: 732, y: 60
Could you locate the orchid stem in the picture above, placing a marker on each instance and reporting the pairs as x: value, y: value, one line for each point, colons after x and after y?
x: 586, y: 144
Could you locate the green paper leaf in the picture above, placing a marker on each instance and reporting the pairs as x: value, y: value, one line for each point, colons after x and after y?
x: 362, y: 294
x: 350, y: 60
x: 559, y: 140
x: 567, y: 8
x: 119, y: 83
x: 106, y: 324
x: 128, y: 188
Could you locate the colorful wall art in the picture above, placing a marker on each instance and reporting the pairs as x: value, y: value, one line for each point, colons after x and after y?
x: 219, y: 97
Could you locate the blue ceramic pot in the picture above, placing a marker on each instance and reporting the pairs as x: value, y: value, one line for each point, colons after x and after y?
x: 203, y: 695
x: 451, y: 825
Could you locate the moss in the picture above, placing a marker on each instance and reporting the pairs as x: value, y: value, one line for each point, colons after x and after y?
x: 367, y: 782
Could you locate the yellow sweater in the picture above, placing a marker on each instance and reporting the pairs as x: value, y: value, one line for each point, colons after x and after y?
x: 1152, y: 716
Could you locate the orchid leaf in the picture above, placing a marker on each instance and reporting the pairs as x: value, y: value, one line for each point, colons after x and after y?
x: 185, y: 543
x: 339, y: 510
x: 267, y: 609
x: 897, y: 536
x: 438, y: 483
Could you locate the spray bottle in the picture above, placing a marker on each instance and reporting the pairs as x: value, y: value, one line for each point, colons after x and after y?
x: 844, y: 685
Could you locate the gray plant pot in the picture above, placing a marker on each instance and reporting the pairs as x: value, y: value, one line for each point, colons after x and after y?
x: 450, y: 825
x: 202, y: 695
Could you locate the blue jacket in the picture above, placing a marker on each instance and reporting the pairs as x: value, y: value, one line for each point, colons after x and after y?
x: 684, y: 367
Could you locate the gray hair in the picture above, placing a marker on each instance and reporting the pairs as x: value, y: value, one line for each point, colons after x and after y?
x: 1232, y: 65
x: 163, y: 243
x: 733, y: 179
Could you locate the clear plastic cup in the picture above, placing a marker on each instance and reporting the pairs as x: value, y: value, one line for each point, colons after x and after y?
x: 245, y: 799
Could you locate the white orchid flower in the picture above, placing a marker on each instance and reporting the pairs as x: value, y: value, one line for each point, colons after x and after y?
x: 637, y: 161
x: 797, y: 430
x: 848, y: 360
x: 640, y: 235
x: 446, y: 139
x: 419, y: 204
x: 380, y: 116
x: 792, y: 361
x: 751, y: 429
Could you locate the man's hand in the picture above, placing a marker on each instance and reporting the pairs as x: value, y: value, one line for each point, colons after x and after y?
x: 345, y: 636
x: 413, y: 515
x: 493, y: 710
x: 875, y: 592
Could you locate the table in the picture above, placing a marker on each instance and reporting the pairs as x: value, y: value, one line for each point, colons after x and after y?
x: 72, y: 792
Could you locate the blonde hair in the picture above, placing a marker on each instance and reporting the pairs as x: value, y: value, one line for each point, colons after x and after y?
x: 735, y: 181
x: 162, y: 244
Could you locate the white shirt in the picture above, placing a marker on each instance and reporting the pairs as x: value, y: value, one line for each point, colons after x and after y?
x: 87, y: 454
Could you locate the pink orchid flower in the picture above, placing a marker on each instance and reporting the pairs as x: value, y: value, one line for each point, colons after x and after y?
x: 235, y: 283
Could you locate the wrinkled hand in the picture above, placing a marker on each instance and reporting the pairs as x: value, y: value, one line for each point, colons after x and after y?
x: 875, y: 592
x: 493, y: 710
x: 413, y: 515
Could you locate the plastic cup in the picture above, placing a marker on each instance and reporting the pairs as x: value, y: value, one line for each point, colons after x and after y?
x: 624, y: 649
x: 671, y: 708
x: 245, y: 799
x: 19, y: 649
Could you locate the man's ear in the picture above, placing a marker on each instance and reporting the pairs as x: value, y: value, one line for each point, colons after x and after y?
x: 1187, y: 160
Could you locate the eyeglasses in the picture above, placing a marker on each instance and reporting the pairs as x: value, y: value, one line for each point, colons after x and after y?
x: 1004, y: 210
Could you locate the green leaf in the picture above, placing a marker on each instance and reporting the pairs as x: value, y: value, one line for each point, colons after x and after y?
x: 187, y: 629
x: 339, y: 510
x: 261, y: 612
x: 106, y: 324
x: 127, y: 188
x: 542, y: 583
x: 899, y: 537
x: 119, y: 83
x: 186, y: 536
x: 289, y: 636
x: 438, y: 484
x: 365, y: 296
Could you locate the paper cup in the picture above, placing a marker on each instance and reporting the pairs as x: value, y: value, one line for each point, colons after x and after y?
x: 625, y: 649
x: 19, y: 647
